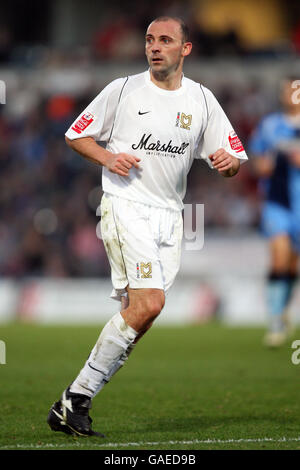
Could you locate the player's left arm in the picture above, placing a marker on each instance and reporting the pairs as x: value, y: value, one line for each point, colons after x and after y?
x: 220, y: 146
x: 225, y: 163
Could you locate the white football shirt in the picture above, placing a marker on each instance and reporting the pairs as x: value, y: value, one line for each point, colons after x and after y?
x: 165, y: 129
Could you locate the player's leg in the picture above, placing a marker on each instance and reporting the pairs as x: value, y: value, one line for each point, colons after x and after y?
x: 292, y: 278
x: 117, y: 336
x: 144, y: 306
x: 111, y: 350
x: 71, y: 412
x: 124, y: 249
x: 292, y: 274
x: 277, y: 225
x: 120, y: 363
x: 169, y: 246
x: 117, y: 340
x: 279, y: 287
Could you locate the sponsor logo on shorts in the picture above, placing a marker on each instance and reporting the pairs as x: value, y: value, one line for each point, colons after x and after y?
x: 146, y: 270
x: 235, y: 142
x: 138, y: 275
x: 82, y: 123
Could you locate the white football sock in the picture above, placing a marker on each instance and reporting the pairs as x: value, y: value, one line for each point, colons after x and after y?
x: 105, y: 358
x: 116, y: 367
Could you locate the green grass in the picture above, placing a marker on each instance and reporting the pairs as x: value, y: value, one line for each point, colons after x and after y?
x: 180, y: 384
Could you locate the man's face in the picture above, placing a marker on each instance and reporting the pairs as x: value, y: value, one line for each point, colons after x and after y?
x: 165, y: 49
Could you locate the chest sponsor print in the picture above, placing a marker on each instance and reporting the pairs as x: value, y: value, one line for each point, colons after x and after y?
x: 159, y: 148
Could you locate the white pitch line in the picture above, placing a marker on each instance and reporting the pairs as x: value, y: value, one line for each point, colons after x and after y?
x: 143, y: 444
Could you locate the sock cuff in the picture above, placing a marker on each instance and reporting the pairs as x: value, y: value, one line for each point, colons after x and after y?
x: 125, y: 330
x: 288, y: 278
x: 279, y: 276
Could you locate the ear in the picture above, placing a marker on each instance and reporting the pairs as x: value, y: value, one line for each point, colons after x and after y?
x: 187, y: 48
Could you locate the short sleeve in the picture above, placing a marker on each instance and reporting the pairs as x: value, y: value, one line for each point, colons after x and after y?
x: 98, y: 117
x: 218, y: 133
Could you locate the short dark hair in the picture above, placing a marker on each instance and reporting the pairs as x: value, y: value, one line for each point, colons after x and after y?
x: 183, y: 26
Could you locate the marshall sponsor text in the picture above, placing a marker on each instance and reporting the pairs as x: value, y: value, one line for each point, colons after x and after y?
x: 146, y: 144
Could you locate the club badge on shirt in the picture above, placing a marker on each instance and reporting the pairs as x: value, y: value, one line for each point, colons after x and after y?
x: 185, y: 121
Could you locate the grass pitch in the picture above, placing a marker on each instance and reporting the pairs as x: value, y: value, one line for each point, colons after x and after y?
x: 198, y: 387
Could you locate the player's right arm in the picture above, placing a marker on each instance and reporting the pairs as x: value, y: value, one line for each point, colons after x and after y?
x: 263, y: 165
x: 95, y: 124
x: 88, y: 148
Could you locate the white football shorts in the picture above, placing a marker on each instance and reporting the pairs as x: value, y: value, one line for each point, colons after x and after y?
x: 143, y: 244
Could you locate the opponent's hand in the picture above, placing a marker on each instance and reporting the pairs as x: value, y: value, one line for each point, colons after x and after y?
x: 120, y: 163
x: 224, y: 162
x: 295, y: 157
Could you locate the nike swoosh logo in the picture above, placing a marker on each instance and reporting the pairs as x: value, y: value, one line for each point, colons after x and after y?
x: 60, y: 417
x: 146, y: 112
x: 94, y: 368
x: 66, y: 404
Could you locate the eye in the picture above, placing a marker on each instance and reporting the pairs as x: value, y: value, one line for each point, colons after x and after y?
x: 149, y: 40
x: 166, y: 40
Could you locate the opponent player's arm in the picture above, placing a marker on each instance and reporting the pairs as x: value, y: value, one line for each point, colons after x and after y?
x: 88, y: 148
x: 225, y: 163
x: 294, y: 157
x: 263, y: 165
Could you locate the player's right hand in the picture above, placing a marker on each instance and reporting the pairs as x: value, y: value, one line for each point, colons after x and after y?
x: 120, y: 163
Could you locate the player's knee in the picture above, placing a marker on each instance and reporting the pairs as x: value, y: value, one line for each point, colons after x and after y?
x: 154, y: 308
x: 153, y: 305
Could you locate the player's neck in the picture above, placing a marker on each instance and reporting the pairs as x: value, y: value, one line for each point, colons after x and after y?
x: 293, y: 112
x: 171, y: 82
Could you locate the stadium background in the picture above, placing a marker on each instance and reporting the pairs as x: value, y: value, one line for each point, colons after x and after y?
x: 55, y: 56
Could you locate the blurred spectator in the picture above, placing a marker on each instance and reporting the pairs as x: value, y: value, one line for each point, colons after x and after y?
x: 49, y: 195
x: 296, y: 38
x: 5, y: 44
x: 118, y: 38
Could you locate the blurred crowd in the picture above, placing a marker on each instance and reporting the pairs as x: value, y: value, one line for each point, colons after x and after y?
x: 49, y: 195
x: 116, y: 32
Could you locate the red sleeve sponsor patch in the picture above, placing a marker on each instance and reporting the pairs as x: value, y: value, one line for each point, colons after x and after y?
x: 235, y: 142
x: 83, y: 122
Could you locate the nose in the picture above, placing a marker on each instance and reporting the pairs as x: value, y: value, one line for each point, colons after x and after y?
x: 155, y: 47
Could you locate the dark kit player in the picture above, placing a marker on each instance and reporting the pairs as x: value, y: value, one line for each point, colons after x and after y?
x: 275, y: 144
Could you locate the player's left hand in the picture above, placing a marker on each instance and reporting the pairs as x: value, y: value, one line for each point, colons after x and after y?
x: 224, y: 162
